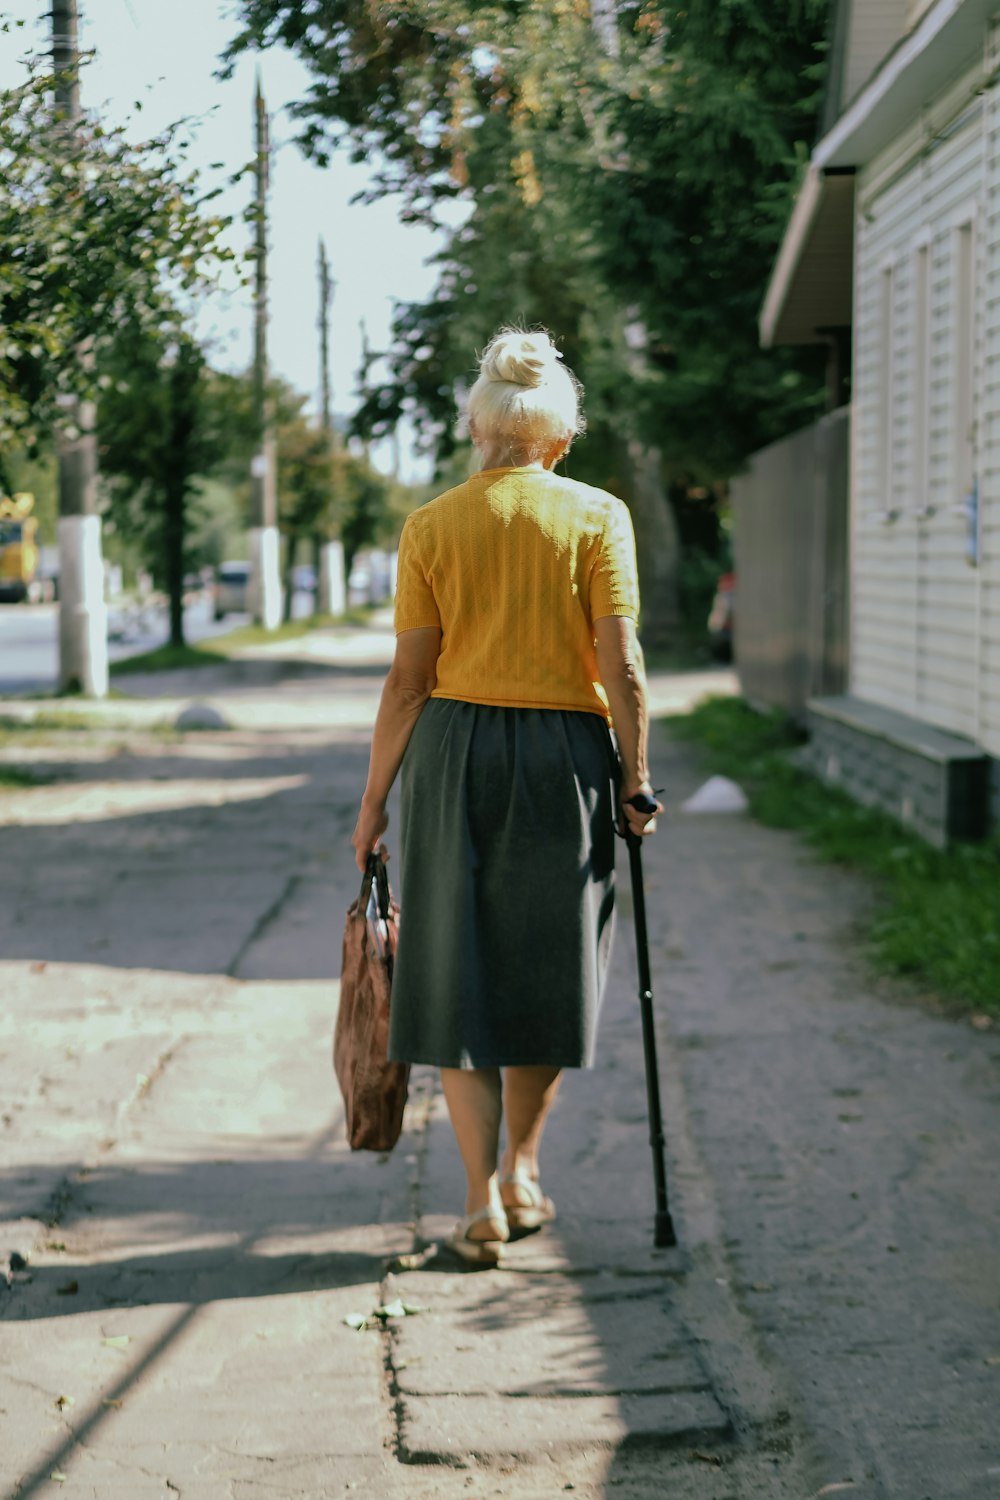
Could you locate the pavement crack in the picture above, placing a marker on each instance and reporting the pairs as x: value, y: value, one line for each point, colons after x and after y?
x: 143, y: 1085
x: 418, y: 1121
x: 262, y: 923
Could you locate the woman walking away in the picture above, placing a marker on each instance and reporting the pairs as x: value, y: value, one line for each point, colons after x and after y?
x: 516, y: 606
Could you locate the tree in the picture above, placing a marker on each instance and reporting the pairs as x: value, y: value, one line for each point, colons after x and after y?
x: 100, y: 239
x: 322, y: 493
x: 156, y: 438
x: 626, y: 186
x: 307, y: 487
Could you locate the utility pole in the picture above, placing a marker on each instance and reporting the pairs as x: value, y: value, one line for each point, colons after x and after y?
x: 265, y: 573
x: 364, y: 373
x: 326, y: 289
x: 83, y: 631
x: 332, y: 589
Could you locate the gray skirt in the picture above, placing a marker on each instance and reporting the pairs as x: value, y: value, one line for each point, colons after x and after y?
x: 506, y: 887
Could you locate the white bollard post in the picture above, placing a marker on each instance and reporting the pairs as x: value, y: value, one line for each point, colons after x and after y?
x: 83, y: 616
x: 264, y: 591
x: 332, y: 583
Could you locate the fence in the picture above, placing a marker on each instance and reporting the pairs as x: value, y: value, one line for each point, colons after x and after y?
x: 790, y: 550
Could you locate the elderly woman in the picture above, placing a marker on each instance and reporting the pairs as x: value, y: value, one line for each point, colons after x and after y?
x: 515, y: 620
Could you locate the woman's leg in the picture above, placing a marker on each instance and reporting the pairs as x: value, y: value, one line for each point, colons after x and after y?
x: 528, y: 1095
x: 474, y: 1105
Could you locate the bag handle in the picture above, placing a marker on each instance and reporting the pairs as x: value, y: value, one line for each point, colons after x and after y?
x: 375, y: 871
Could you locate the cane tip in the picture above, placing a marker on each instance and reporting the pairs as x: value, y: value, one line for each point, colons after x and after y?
x: 664, y: 1236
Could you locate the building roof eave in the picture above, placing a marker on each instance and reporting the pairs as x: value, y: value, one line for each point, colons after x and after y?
x: 810, y: 290
x: 946, y: 39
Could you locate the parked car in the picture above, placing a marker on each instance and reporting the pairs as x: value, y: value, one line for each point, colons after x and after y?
x: 230, y: 590
x: 721, y: 617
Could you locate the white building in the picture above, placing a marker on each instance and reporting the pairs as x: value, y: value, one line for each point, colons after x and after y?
x: 895, y: 236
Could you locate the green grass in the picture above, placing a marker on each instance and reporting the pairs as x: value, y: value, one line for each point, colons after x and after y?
x: 42, y: 725
x: 12, y: 777
x: 936, y: 919
x: 48, y: 725
x: 221, y: 648
x: 171, y: 659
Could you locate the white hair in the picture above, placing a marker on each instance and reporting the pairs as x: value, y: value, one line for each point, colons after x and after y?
x: 524, y: 395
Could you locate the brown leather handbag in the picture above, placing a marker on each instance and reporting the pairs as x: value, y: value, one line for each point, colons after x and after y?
x: 374, y: 1088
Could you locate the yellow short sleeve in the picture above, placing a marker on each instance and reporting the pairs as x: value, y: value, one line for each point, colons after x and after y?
x: 415, y: 604
x: 614, y: 581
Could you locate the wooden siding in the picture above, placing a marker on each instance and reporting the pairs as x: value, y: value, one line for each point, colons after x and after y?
x: 988, y: 573
x: 875, y: 28
x: 915, y: 9
x: 925, y: 625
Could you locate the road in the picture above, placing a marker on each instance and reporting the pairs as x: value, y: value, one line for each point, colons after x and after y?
x: 29, y: 636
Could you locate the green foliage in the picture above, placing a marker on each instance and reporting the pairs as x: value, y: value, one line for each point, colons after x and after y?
x: 629, y: 191
x: 935, y: 915
x: 101, y: 241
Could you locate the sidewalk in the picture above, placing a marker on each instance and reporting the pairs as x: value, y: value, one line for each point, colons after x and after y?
x: 196, y: 1234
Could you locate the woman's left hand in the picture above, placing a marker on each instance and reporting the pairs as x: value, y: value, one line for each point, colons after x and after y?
x: 372, y: 822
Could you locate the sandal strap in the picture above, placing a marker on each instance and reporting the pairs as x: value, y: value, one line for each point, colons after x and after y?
x: 533, y: 1189
x: 479, y: 1217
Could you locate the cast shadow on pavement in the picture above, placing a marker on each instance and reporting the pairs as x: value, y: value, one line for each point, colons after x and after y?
x: 179, y: 864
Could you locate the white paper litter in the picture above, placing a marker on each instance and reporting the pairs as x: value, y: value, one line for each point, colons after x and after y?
x: 718, y: 795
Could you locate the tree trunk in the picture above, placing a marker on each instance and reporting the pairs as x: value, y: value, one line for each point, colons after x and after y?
x: 173, y: 547
x: 657, y: 545
x: 183, y: 389
x: 291, y: 548
x: 316, y: 551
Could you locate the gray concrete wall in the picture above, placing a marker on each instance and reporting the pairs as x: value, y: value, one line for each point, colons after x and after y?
x: 937, y: 785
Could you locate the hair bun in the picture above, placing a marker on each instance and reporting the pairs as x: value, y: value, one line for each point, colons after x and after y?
x: 520, y: 358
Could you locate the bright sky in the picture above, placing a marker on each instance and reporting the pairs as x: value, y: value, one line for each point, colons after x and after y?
x: 164, y: 53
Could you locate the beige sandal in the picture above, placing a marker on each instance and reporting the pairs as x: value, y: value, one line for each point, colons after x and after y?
x: 523, y: 1217
x: 479, y: 1252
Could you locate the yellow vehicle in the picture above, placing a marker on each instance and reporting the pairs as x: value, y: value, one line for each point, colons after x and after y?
x: 18, y: 549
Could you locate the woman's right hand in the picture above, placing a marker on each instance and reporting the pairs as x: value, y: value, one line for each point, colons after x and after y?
x: 636, y: 822
x: 372, y: 822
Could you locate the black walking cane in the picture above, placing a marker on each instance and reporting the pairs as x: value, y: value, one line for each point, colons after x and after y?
x: 664, y: 1234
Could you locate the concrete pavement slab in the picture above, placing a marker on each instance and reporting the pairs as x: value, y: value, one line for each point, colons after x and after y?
x: 830, y: 1158
x: 465, y: 1429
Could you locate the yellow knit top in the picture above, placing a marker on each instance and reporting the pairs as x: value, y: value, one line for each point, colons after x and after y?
x: 515, y: 566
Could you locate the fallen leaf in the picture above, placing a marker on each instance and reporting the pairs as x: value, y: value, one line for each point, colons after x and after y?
x: 705, y: 1458
x: 414, y: 1262
x: 57, y: 1476
x: 62, y: 1401
x: 981, y: 1023
x: 357, y: 1321
x: 761, y: 1286
x: 834, y: 1489
x: 992, y: 1359
x: 117, y: 1341
x: 110, y: 1401
x: 399, y: 1309
x: 68, y: 1289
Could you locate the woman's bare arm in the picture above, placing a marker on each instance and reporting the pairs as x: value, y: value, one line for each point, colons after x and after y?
x: 406, y: 689
x: 623, y: 676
